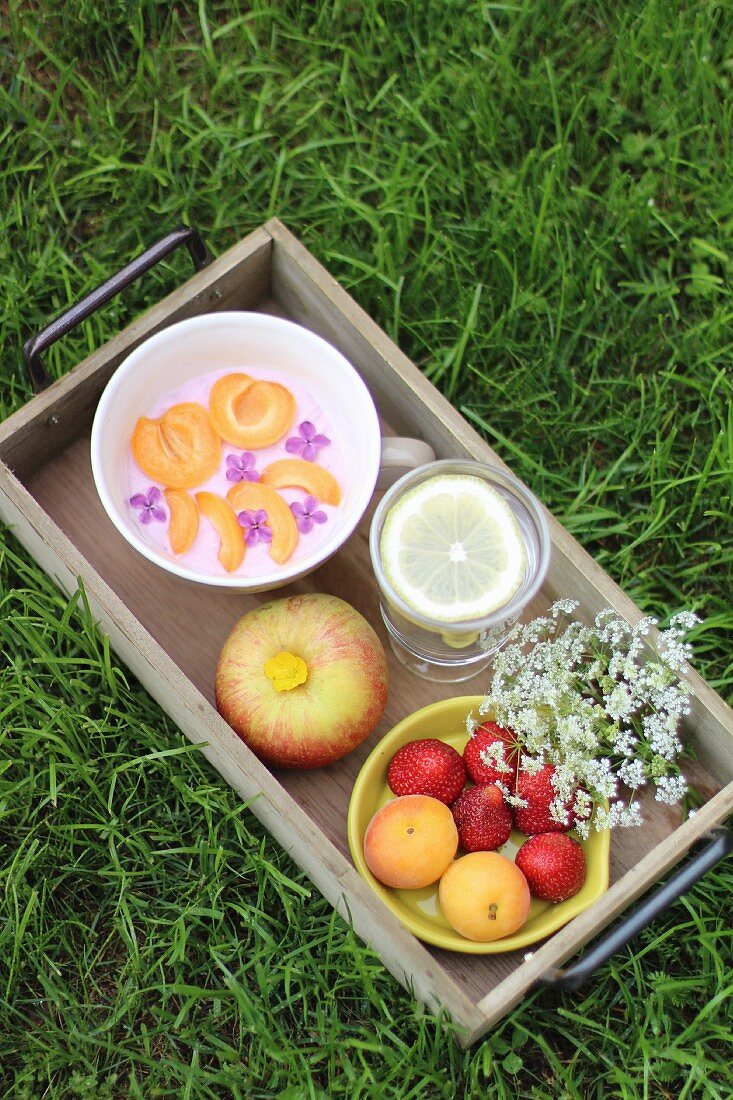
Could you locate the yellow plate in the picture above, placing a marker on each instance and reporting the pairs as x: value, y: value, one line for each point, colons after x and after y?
x: 419, y: 910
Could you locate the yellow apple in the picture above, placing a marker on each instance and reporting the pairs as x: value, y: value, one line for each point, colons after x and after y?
x: 302, y: 680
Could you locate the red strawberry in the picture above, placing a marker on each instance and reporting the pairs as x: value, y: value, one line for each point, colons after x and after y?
x: 481, y: 738
x: 553, y: 865
x: 538, y: 792
x: 483, y: 819
x: 427, y: 766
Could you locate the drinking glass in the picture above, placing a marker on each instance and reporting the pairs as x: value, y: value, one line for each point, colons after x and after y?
x: 451, y: 652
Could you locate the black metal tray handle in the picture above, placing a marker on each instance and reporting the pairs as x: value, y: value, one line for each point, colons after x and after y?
x: 572, y: 977
x: 65, y: 322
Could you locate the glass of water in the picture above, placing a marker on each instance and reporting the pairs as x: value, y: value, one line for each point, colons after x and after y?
x: 458, y: 549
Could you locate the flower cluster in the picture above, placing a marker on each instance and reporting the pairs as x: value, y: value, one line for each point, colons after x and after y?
x: 149, y: 505
x: 255, y: 526
x: 306, y: 514
x: 307, y: 442
x: 585, y: 699
x: 242, y: 467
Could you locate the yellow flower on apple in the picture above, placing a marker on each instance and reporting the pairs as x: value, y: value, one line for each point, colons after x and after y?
x: 286, y: 671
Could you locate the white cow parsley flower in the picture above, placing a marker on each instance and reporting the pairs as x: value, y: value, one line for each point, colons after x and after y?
x: 493, y: 756
x: 599, y: 703
x: 670, y: 788
x: 632, y: 773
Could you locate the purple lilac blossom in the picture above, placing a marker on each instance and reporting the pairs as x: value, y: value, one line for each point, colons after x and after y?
x: 307, y: 443
x: 148, y: 504
x: 241, y: 467
x: 306, y: 514
x: 255, y: 526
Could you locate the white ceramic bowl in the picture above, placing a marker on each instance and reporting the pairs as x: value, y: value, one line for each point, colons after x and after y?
x: 236, y: 340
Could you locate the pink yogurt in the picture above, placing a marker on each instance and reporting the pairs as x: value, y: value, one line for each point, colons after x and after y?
x: 203, y: 554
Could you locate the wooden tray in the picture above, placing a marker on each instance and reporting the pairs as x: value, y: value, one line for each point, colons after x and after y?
x: 48, y: 499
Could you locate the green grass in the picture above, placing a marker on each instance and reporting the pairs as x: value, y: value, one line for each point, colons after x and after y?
x: 534, y: 200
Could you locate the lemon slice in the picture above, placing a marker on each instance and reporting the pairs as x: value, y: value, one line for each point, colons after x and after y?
x: 452, y: 548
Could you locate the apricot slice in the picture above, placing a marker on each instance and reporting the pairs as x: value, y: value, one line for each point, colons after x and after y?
x: 184, y: 521
x: 248, y: 413
x: 253, y: 495
x: 221, y: 515
x: 296, y: 473
x: 181, y: 449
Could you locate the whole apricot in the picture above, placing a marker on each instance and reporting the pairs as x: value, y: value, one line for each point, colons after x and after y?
x: 410, y: 841
x: 484, y: 896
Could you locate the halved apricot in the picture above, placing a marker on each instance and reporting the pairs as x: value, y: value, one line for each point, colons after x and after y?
x: 281, y: 521
x: 181, y: 449
x: 184, y: 521
x: 248, y: 413
x: 222, y: 516
x: 296, y: 473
